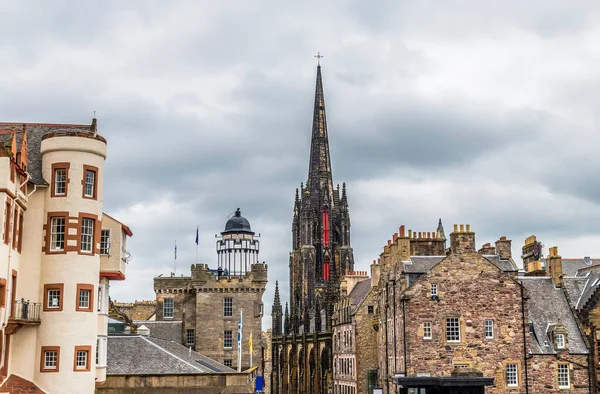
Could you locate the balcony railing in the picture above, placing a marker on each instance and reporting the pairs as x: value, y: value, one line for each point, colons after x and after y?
x: 25, y: 311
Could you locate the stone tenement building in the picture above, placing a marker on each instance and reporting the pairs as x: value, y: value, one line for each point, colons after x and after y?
x: 60, y: 253
x: 210, y: 300
x: 321, y: 253
x: 469, y: 320
x: 354, y: 334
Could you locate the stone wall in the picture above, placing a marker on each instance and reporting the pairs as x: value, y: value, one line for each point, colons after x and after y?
x: 543, y: 375
x: 471, y: 289
x: 178, y: 384
x: 366, y: 338
x: 138, y: 310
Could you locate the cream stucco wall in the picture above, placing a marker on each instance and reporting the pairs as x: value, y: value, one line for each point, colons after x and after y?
x: 70, y: 328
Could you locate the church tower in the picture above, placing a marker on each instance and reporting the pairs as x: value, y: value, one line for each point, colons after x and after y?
x: 320, y: 233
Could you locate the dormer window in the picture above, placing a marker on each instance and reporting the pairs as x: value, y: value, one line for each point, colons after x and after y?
x: 560, y: 339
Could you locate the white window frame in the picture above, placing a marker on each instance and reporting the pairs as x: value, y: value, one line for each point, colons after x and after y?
x: 105, y: 241
x: 54, y: 294
x: 434, y: 289
x: 60, y: 181
x: 427, y: 330
x: 57, y: 233
x: 188, y: 337
x: 102, y: 299
x: 453, y: 329
x: 228, y: 339
x: 560, y: 341
x: 512, y: 375
x: 87, y: 235
x: 168, y: 308
x: 85, y: 359
x: 52, y: 360
x: 86, y: 304
x: 228, y: 306
x: 101, y: 347
x: 564, y: 380
x: 489, y: 329
x: 89, y: 186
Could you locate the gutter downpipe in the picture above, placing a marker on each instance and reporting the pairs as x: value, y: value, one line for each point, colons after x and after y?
x: 404, y: 336
x: 524, y: 341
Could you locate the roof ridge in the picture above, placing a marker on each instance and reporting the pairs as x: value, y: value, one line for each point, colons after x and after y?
x: 171, y: 354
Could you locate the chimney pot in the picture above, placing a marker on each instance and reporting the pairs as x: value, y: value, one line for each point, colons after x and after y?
x: 462, y: 228
x: 402, y: 234
x: 410, y: 234
x: 502, y: 238
x: 395, y: 237
x: 455, y: 227
x: 468, y: 228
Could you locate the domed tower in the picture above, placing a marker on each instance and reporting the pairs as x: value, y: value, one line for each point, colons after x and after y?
x: 70, y: 263
x: 237, y: 250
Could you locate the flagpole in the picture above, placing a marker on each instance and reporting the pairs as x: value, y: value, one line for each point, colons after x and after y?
x: 175, y: 261
x: 197, y: 243
x: 240, y: 326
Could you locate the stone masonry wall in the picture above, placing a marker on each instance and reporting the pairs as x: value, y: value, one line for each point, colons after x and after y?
x: 473, y: 290
x: 543, y: 374
x: 366, y: 338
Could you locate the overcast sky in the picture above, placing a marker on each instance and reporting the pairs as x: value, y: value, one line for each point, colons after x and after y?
x: 480, y: 112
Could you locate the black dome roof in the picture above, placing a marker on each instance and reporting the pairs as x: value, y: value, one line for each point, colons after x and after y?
x: 237, y: 224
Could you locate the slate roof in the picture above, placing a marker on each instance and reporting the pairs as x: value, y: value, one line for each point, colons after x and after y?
x: 422, y: 264
x: 547, y: 307
x: 592, y: 282
x: 571, y: 266
x: 575, y: 288
x: 35, y: 132
x: 167, y: 330
x: 138, y: 355
x: 505, y: 265
x: 359, y: 293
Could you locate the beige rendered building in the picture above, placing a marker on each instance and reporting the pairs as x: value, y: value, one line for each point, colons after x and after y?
x: 59, y: 252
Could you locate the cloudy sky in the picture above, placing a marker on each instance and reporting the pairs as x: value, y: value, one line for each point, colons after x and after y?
x: 476, y: 112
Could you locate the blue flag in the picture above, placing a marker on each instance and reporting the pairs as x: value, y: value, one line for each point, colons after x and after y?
x: 175, y: 250
x: 196, y: 235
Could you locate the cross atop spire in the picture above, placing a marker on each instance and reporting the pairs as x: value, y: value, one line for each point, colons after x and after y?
x: 319, y: 56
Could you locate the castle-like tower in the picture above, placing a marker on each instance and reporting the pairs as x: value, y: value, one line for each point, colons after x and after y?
x: 208, y: 303
x: 321, y: 250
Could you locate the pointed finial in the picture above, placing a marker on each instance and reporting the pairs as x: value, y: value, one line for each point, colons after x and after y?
x: 319, y: 56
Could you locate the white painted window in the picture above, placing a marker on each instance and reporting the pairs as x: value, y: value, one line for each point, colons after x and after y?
x: 81, y: 361
x: 563, y: 376
x: 105, y: 242
x: 60, y: 181
x: 57, y: 234
x: 167, y: 307
x: 434, y: 289
x: 50, y: 359
x: 53, y: 299
x: 452, y: 329
x: 90, y: 176
x: 87, y: 234
x: 228, y: 307
x: 427, y: 330
x: 512, y: 378
x: 560, y: 341
x: 227, y: 339
x: 84, y: 299
x: 489, y: 329
x: 190, y: 337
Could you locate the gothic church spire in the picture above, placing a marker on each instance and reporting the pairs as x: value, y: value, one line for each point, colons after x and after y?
x: 319, y: 171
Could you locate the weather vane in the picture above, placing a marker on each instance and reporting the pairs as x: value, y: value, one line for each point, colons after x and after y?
x: 318, y: 56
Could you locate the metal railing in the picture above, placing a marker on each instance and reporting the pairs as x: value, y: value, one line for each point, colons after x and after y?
x: 26, y: 311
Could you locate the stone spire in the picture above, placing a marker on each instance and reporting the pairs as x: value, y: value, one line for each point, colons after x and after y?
x: 276, y: 311
x: 440, y: 230
x: 319, y: 170
x: 286, y: 320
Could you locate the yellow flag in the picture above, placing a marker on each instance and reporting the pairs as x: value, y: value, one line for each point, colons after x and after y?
x: 250, y: 342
